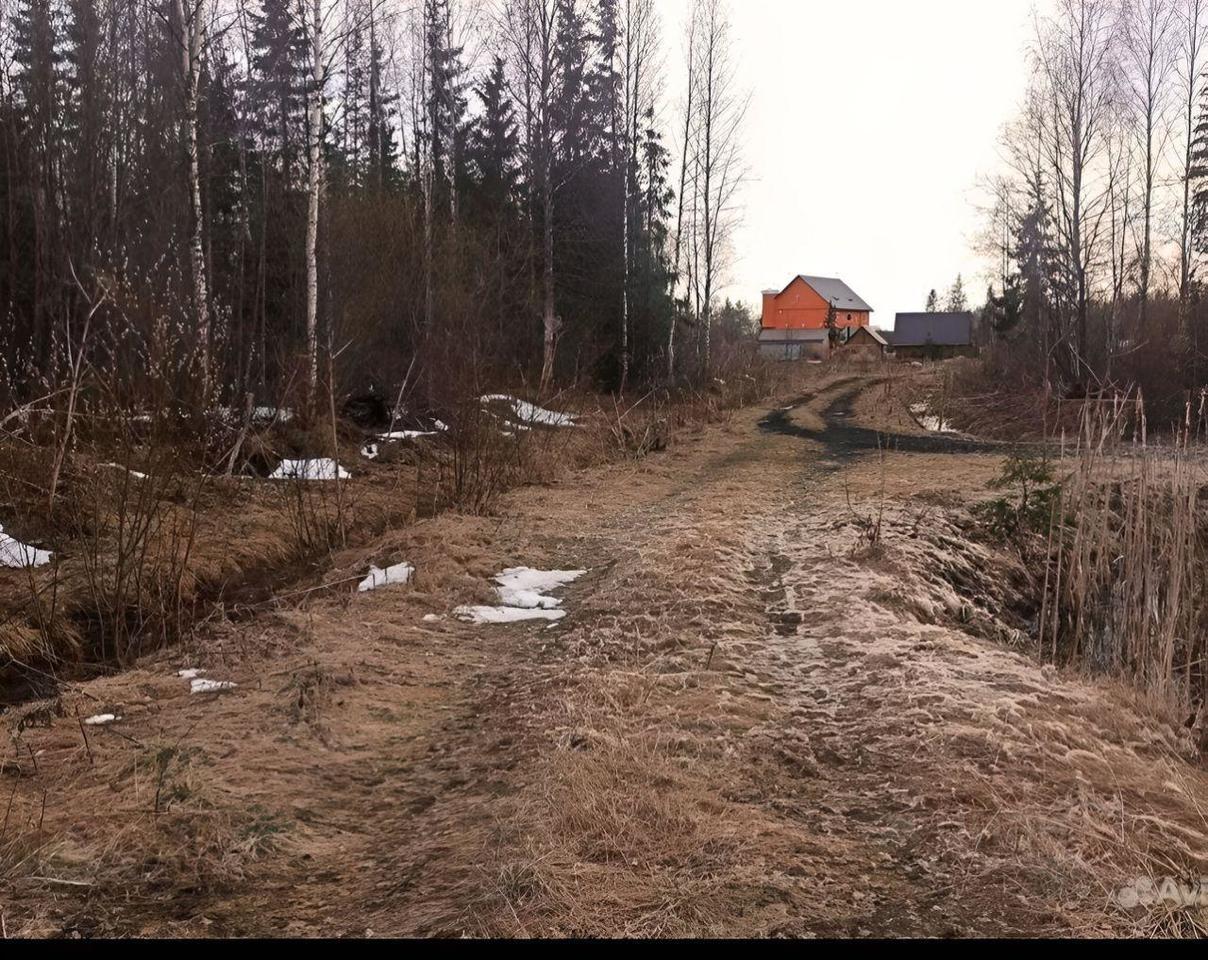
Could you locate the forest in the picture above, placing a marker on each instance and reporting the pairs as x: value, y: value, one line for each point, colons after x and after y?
x: 210, y: 201
x: 1099, y: 226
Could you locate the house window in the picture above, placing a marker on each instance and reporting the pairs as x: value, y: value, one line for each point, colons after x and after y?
x: 849, y: 318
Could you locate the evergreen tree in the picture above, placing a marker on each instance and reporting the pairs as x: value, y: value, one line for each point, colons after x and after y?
x: 932, y: 302
x: 957, y: 302
x: 446, y: 105
x: 383, y: 151
x: 573, y: 109
x: 494, y: 142
x: 277, y: 91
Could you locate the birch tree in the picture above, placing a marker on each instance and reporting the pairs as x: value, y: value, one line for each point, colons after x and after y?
x: 1191, y: 26
x: 190, y: 27
x: 1074, y: 51
x: 688, y: 115
x: 639, y: 29
x: 717, y: 166
x: 530, y: 28
x: 1148, y: 27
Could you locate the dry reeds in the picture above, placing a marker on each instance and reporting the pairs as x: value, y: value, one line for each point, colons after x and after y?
x: 1126, y: 554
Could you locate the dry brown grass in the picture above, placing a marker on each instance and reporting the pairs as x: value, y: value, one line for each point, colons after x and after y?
x: 731, y: 733
x: 140, y: 560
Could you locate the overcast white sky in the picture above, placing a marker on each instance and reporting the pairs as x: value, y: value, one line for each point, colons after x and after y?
x: 871, y: 123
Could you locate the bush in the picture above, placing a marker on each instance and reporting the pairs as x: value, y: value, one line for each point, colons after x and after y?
x: 1029, y: 506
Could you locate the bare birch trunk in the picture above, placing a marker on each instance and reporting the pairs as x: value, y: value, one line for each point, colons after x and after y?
x: 314, y: 187
x: 621, y: 156
x: 1192, y: 14
x: 550, y: 324
x: 192, y: 26
x: 679, y: 216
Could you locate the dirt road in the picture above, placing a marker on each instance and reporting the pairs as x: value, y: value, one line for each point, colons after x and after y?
x: 789, y: 698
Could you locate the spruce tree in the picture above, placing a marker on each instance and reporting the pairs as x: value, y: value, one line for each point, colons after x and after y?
x: 277, y: 90
x: 957, y: 301
x: 494, y: 142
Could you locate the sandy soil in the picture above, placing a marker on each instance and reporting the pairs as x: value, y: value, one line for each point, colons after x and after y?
x: 791, y: 697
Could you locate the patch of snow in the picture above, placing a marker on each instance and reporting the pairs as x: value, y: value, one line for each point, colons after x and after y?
x: 189, y: 673
x: 260, y: 415
x: 202, y: 685
x: 522, y: 596
x: 929, y: 421
x: 370, y: 451
x: 529, y: 413
x: 440, y: 425
x: 101, y: 720
x: 270, y: 414
x: 505, y: 614
x: 322, y: 468
x: 399, y: 573
x: 133, y: 473
x: 17, y: 555
x: 406, y: 434
x: 433, y: 618
x: 525, y: 587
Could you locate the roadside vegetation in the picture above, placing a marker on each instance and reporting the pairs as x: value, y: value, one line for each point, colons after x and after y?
x: 263, y: 260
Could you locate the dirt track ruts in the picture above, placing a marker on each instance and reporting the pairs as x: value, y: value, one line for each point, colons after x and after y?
x: 756, y: 720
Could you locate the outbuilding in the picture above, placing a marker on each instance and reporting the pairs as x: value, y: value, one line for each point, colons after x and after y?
x: 862, y: 344
x: 933, y: 336
x: 794, y: 344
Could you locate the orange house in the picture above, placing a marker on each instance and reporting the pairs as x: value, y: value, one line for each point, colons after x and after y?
x: 804, y: 303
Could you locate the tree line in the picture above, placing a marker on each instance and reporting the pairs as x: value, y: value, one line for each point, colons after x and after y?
x: 222, y: 198
x: 1100, y: 228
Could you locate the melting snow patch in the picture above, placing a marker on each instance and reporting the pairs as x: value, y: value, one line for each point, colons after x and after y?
x: 529, y: 413
x: 270, y: 414
x: 522, y: 596
x: 15, y: 555
x: 399, y: 573
x: 406, y: 434
x: 260, y: 415
x: 370, y: 451
x: 523, y: 586
x: 929, y: 421
x: 189, y: 673
x: 505, y: 614
x: 202, y: 685
x: 133, y: 473
x: 101, y: 720
x: 318, y: 469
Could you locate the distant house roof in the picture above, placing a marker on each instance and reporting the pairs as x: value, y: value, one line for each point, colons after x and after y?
x: 836, y: 292
x: 770, y: 335
x: 941, y: 329
x: 851, y: 333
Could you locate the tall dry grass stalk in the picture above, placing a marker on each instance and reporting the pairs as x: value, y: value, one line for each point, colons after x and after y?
x: 1128, y: 556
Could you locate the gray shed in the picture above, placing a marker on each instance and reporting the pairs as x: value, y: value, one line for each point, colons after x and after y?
x: 933, y: 335
x: 794, y: 344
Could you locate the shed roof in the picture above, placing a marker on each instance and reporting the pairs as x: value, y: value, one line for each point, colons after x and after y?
x: 941, y: 329
x: 853, y: 332
x: 834, y: 291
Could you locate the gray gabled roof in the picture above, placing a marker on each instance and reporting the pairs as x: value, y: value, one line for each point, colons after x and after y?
x: 875, y: 334
x: 835, y: 291
x: 941, y: 329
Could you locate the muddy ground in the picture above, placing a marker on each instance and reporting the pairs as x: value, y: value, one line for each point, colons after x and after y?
x: 793, y: 696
